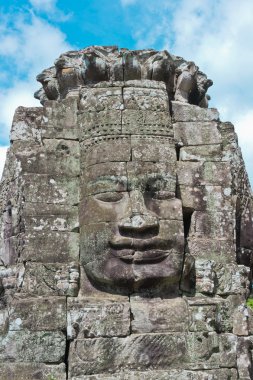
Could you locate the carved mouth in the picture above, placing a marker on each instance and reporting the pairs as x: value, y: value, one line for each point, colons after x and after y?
x: 126, y: 243
x: 141, y: 257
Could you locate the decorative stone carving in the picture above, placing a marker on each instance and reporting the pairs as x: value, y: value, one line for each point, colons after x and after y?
x: 126, y: 227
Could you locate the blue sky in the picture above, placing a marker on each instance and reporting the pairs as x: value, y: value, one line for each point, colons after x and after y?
x: 216, y: 34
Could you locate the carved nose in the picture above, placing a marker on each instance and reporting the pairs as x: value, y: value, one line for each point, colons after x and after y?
x: 139, y: 226
x: 142, y: 223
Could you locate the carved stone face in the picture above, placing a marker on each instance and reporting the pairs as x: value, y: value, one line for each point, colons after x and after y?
x: 131, y: 222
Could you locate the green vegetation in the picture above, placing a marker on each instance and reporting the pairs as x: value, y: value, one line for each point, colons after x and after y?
x: 250, y: 303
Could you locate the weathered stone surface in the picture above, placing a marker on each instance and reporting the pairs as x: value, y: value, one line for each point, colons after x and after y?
x: 88, y: 318
x: 50, y: 217
x: 51, y: 279
x: 145, y: 99
x: 60, y: 119
x: 35, y: 314
x: 188, y: 112
x: 157, y: 315
x: 133, y: 352
x: 31, y: 371
x: 106, y: 148
x: 50, y: 246
x: 201, y: 153
x: 99, y: 99
x: 148, y: 148
x: 33, y: 346
x: 140, y: 122
x: 216, y: 374
x: 221, y: 250
x: 54, y: 157
x: 53, y: 189
x: 95, y: 124
x: 26, y: 124
x: 232, y: 279
x: 207, y: 351
x: 197, y: 133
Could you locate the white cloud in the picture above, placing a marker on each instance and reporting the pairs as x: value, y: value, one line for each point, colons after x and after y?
x: 45, y: 5
x: 19, y: 95
x: 50, y: 8
x: 34, y: 44
x: 3, y: 151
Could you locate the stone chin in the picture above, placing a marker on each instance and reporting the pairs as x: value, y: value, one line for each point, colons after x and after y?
x: 148, y: 271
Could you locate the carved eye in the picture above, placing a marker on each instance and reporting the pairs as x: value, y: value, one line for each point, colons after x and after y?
x: 109, y: 196
x: 163, y: 194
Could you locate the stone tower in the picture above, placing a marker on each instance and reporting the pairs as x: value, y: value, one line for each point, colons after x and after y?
x: 126, y: 227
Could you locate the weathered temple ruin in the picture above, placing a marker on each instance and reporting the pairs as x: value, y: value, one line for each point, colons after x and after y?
x: 126, y: 227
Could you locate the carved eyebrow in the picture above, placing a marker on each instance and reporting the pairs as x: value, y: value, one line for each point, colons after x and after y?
x: 109, y: 178
x: 107, y: 183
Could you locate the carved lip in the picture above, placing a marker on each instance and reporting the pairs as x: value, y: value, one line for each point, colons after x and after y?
x: 133, y: 244
x: 141, y: 257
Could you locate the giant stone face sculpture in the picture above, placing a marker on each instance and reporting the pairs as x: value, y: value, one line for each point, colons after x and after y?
x: 126, y: 227
x: 131, y: 223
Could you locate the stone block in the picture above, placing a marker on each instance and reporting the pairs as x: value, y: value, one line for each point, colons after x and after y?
x: 140, y: 122
x: 33, y: 346
x: 189, y: 112
x: 95, y: 124
x: 205, y: 276
x: 49, y: 246
x: 89, y: 318
x: 135, y: 352
x: 193, y: 197
x: 38, y: 314
x: 60, y: 119
x: 241, y: 320
x: 244, y: 358
x: 55, y: 157
x: 226, y: 311
x: 104, y: 177
x: 204, y: 173
x: 145, y: 83
x: 221, y: 251
x: 154, y: 149
x: 11, y: 278
x: 145, y: 99
x: 173, y: 374
x: 232, y: 279
x: 98, y: 99
x: 50, y: 217
x: 50, y: 189
x: 197, y: 133
x: 53, y: 279
x: 203, y: 318
x: 158, y: 315
x: 4, y: 315
x: 212, y: 224
x: 201, y: 153
x: 105, y: 149
x: 26, y: 124
x: 227, y: 347
x: 211, y: 350
x: 32, y: 371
